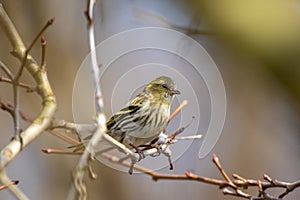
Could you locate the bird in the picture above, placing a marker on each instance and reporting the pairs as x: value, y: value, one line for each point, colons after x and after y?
x: 145, y: 117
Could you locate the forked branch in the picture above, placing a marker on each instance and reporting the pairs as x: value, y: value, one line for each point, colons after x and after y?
x: 43, y: 121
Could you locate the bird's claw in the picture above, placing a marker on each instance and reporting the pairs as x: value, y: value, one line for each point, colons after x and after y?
x: 133, y: 161
x: 130, y: 171
x: 141, y: 155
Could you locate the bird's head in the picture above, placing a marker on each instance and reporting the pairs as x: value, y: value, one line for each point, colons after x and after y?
x: 162, y: 87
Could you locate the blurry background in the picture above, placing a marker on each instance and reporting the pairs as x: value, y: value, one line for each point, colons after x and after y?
x: 255, y: 46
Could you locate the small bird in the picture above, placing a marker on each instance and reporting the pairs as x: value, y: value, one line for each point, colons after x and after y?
x: 146, y: 115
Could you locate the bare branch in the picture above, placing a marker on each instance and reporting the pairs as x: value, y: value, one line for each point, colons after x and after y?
x: 95, y: 66
x: 28, y: 87
x: 10, y: 109
x: 58, y: 151
x: 217, y: 163
x: 178, y: 109
x: 43, y: 121
x: 12, y: 187
x: 16, y: 118
x: 233, y: 187
x: 7, y: 107
x: 16, y: 82
x: 43, y: 44
x: 13, y: 182
x: 179, y: 131
x: 75, y: 127
x: 63, y: 137
x: 15, y: 115
x: 6, y: 70
x: 49, y: 22
x: 230, y: 187
x: 89, y: 151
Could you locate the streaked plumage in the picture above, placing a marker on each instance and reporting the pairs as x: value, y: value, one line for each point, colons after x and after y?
x: 146, y: 115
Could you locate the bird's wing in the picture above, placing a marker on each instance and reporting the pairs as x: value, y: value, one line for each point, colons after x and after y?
x: 110, y: 123
x: 120, y: 115
x: 134, y: 106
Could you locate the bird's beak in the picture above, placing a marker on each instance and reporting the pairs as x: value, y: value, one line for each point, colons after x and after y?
x: 176, y: 92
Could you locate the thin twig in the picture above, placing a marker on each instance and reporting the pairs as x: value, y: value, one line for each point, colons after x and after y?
x: 59, y: 151
x: 63, y: 137
x: 13, y: 188
x: 178, y: 109
x: 28, y: 87
x: 15, y: 115
x: 121, y: 147
x: 28, y: 49
x: 10, y: 109
x: 179, y: 131
x: 192, y: 137
x: 100, y: 118
x: 74, y: 127
x: 16, y: 118
x: 6, y: 70
x: 7, y: 108
x: 13, y: 182
x: 43, y: 44
x: 79, y: 172
x: 95, y: 66
x: 48, y: 23
x: 217, y: 163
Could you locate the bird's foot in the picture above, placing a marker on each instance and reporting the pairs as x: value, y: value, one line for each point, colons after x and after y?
x: 138, y: 151
x: 158, y: 148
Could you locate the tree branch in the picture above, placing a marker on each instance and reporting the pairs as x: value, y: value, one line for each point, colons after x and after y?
x: 13, y: 182
x: 28, y: 87
x: 233, y: 187
x: 43, y: 121
x: 79, y: 185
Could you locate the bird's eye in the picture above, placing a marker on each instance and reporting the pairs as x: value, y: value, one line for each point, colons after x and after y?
x: 164, y: 86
